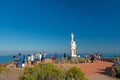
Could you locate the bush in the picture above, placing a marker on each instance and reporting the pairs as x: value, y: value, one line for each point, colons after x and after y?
x: 28, y: 77
x: 117, y: 70
x: 43, y: 72
x: 50, y: 72
x: 75, y: 73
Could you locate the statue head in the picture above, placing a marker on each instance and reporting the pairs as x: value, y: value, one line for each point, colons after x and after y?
x: 72, y: 36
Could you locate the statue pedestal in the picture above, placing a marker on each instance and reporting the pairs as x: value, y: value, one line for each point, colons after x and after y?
x: 74, y: 59
x: 73, y: 55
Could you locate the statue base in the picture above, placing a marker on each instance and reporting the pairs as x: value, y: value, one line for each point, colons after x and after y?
x: 74, y: 59
x: 73, y: 55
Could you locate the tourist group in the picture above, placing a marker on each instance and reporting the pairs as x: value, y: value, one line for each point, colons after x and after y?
x: 21, y: 60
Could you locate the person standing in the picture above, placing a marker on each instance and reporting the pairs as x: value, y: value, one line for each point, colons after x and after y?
x: 40, y: 56
x: 99, y: 56
x: 20, y: 60
x: 44, y: 56
x: 116, y: 60
x: 64, y: 55
x: 32, y: 59
x: 24, y: 61
x: 55, y: 55
x: 92, y: 58
x: 15, y: 61
x: 29, y: 61
x: 86, y: 58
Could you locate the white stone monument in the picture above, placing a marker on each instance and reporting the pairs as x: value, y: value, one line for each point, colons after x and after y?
x: 73, y: 46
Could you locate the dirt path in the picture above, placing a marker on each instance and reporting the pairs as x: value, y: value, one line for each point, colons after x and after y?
x: 93, y: 71
x: 101, y: 77
x: 94, y: 68
x: 96, y: 71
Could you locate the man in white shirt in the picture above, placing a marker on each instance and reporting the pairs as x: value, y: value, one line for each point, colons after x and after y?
x: 32, y: 59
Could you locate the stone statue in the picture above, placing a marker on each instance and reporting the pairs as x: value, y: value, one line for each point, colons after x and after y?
x: 73, y: 46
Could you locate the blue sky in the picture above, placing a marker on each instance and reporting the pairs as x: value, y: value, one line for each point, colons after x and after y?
x: 46, y: 25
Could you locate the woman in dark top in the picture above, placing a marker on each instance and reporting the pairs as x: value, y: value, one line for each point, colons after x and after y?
x: 92, y: 58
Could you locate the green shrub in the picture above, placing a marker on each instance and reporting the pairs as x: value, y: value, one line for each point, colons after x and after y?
x: 117, y: 70
x: 75, y: 73
x: 30, y: 70
x: 28, y: 77
x: 50, y: 72
x: 43, y: 72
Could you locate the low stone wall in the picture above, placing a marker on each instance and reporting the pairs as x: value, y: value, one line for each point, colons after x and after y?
x: 111, y: 72
x: 107, y: 59
x: 108, y: 71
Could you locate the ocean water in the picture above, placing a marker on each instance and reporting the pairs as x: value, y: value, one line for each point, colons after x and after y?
x: 9, y: 58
